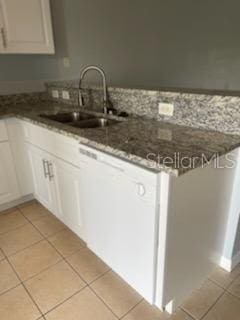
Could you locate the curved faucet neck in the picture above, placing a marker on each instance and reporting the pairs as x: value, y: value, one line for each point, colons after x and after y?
x: 102, y: 73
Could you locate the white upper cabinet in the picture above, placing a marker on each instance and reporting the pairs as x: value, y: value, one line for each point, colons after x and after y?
x: 26, y: 27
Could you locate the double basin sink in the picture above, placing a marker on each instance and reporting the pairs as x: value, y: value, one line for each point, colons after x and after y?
x: 80, y: 120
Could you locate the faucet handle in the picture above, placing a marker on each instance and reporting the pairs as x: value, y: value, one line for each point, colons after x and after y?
x: 105, y: 109
x: 108, y: 107
x: 80, y: 99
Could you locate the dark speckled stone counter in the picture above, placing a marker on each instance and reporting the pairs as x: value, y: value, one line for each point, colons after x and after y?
x: 154, y: 145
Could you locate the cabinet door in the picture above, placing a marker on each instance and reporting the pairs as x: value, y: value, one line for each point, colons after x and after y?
x: 26, y: 26
x: 68, y: 184
x: 43, y: 187
x: 8, y: 180
x: 20, y: 156
x: 120, y: 225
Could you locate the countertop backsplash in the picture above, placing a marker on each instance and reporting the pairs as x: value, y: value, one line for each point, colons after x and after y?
x: 20, y: 98
x: 206, y: 111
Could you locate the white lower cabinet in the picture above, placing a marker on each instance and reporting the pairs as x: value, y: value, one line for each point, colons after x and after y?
x: 68, y: 183
x: 149, y: 228
x: 121, y: 222
x: 20, y: 157
x: 43, y: 185
x: 8, y: 179
x: 57, y: 185
x: 109, y: 203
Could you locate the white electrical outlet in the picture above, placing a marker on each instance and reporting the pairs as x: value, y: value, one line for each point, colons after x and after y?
x: 66, y: 62
x: 65, y: 95
x: 55, y: 94
x: 165, y: 109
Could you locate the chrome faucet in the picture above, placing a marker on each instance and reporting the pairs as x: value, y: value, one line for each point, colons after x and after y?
x: 105, y: 97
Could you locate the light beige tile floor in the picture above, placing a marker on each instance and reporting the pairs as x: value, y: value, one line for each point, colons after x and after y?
x: 87, y: 264
x: 33, y: 211
x: 11, y: 220
x: 19, y: 239
x: 66, y: 242
x: 54, y: 285
x: 8, y: 278
x: 47, y: 273
x: 48, y: 225
x: 202, y: 300
x: 34, y: 259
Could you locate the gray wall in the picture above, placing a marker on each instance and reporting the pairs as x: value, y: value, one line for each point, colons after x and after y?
x: 155, y: 43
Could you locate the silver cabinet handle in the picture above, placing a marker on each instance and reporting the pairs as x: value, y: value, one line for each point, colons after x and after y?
x: 50, y: 171
x: 45, y: 168
x: 4, y: 38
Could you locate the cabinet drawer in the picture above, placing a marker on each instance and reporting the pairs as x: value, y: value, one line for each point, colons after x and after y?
x: 3, y: 131
x: 54, y: 143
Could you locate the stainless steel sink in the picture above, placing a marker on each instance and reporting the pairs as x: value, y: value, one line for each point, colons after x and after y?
x: 94, y: 123
x: 68, y: 117
x: 80, y: 120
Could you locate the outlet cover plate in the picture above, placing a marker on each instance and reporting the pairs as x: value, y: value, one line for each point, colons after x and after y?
x: 66, y: 62
x: 65, y: 95
x: 165, y: 109
x: 55, y: 94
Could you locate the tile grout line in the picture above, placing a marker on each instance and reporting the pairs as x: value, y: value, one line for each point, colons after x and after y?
x: 22, y: 281
x: 99, y: 277
x: 23, y: 225
x: 63, y: 258
x: 43, y: 270
x: 46, y: 238
x: 21, y: 250
x: 28, y: 223
x: 32, y: 299
x: 23, y: 285
x: 108, y: 307
x: 7, y: 211
x: 188, y: 314
x: 50, y: 215
x: 225, y: 290
x: 6, y: 291
x: 131, y: 309
x: 233, y: 295
x: 87, y: 285
x: 212, y: 306
x: 90, y: 283
x: 43, y: 239
x: 228, y: 286
x: 17, y: 209
x: 216, y: 283
x: 60, y: 303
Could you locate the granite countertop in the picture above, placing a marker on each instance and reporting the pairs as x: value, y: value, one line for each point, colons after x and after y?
x: 154, y: 145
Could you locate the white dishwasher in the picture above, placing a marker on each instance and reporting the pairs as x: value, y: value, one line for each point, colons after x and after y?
x: 121, y: 218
